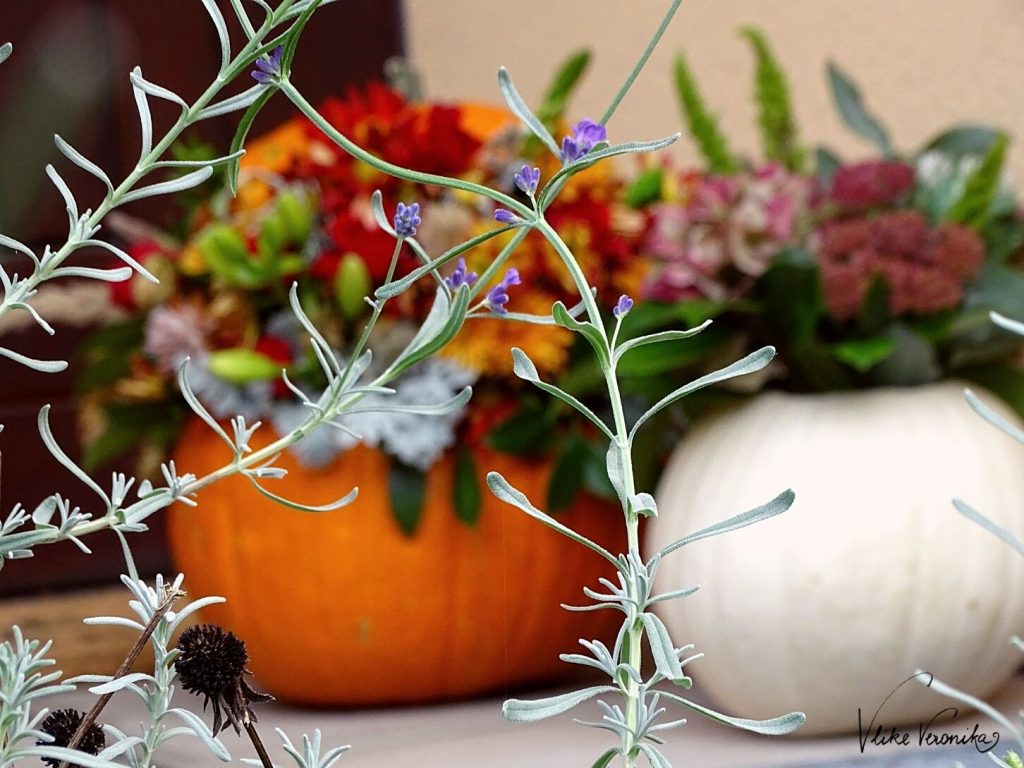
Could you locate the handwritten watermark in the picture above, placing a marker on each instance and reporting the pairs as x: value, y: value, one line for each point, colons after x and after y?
x: 877, y: 733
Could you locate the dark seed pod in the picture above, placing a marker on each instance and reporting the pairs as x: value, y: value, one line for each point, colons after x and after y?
x: 211, y: 663
x: 61, y: 724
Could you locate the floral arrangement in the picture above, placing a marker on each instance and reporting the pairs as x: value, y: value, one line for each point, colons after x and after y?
x: 864, y: 273
x: 209, y: 662
x: 303, y: 213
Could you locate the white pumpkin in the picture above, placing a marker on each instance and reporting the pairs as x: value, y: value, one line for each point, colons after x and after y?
x: 869, y: 576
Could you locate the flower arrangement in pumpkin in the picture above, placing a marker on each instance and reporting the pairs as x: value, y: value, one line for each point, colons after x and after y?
x: 303, y: 213
x: 876, y: 272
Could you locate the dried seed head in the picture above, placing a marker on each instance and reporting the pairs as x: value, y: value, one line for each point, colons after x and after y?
x: 61, y: 724
x: 212, y: 663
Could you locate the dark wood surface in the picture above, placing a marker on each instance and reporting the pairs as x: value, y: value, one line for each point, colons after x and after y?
x: 69, y: 75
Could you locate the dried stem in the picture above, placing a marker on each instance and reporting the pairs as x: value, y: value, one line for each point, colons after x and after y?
x: 170, y: 597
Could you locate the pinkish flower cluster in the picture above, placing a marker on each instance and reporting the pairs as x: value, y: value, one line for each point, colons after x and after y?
x: 870, y: 184
x: 726, y: 234
x: 925, y: 267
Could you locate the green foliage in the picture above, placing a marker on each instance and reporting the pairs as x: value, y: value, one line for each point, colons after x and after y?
x: 568, y: 474
x: 526, y: 433
x: 466, y: 488
x: 407, y: 490
x: 853, y: 112
x: 701, y: 124
x: 646, y: 188
x: 973, y: 209
x: 775, y: 113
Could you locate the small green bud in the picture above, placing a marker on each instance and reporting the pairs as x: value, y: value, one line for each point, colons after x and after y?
x: 351, y: 284
x: 294, y: 210
x: 225, y: 251
x: 243, y: 366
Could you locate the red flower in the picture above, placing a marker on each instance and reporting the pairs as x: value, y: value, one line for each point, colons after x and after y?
x: 871, y: 183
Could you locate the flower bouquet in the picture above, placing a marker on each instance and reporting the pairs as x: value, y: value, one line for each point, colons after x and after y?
x: 304, y: 214
x: 875, y: 278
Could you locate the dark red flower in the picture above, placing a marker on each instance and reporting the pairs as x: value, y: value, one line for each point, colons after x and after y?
x: 871, y: 183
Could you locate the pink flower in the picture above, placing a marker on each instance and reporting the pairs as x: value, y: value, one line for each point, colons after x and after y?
x: 172, y: 334
x: 871, y: 183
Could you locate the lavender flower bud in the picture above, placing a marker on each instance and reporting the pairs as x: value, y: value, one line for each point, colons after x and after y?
x: 461, y: 277
x: 622, y: 308
x: 407, y: 218
x: 585, y: 134
x: 497, y: 297
x: 527, y: 179
x: 268, y: 68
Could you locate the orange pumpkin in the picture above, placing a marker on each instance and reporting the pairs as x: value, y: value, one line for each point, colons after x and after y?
x: 343, y: 608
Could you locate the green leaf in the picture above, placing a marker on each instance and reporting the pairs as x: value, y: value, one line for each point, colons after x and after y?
x: 853, y: 112
x: 556, y: 98
x: 525, y: 433
x: 873, y: 314
x: 1004, y: 381
x: 586, y: 329
x: 980, y: 188
x: 241, y: 133
x: 466, y: 493
x: 606, y: 759
x: 407, y: 489
x: 701, y: 124
x: 519, y: 108
x: 519, y: 711
x: 646, y: 188
x: 864, y: 354
x: 567, y: 476
x: 792, y: 296
x: 5, y: 51
x: 775, y: 113
x: 963, y: 140
x: 826, y: 163
x: 912, y: 360
x: 776, y: 726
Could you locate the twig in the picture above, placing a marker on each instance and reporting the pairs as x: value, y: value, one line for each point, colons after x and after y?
x: 126, y: 666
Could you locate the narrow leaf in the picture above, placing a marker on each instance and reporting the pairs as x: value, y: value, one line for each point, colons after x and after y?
x: 776, y: 726
x: 980, y: 188
x: 171, y: 186
x: 145, y: 118
x: 518, y: 106
x: 222, y: 32
x: 775, y: 113
x: 158, y: 91
x: 701, y: 124
x: 665, y: 659
x: 522, y: 711
x: 500, y: 487
x: 606, y: 759
x: 755, y: 361
x: 992, y: 417
x: 853, y: 112
x: 524, y: 368
x: 242, y: 132
x: 776, y: 506
x: 654, y: 757
x: 5, y: 52
x: 232, y: 104
x: 657, y: 338
x: 45, y: 366
x: 407, y: 489
x: 83, y: 162
x: 345, y: 500
x: 975, y: 516
x: 466, y: 493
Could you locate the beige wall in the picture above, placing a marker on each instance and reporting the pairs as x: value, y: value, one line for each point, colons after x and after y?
x: 922, y: 64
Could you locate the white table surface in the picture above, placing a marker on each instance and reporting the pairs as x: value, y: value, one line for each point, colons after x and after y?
x: 466, y: 734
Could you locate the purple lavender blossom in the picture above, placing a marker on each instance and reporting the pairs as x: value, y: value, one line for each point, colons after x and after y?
x: 268, y: 68
x: 505, y: 216
x: 622, y: 308
x: 585, y: 134
x: 407, y: 218
x: 461, y: 277
x: 497, y: 297
x: 527, y: 179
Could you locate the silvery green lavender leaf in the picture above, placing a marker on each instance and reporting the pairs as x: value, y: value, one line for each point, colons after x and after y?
x: 443, y: 322
x: 665, y: 659
x: 45, y: 366
x: 755, y: 361
x: 776, y: 506
x: 654, y: 757
x: 522, y: 711
x: 310, y: 756
x: 776, y: 726
x: 972, y: 514
x: 5, y: 52
x: 501, y: 488
x: 152, y: 89
x: 992, y: 417
x: 524, y: 113
x: 84, y: 163
x: 656, y: 338
x: 606, y: 759
x: 524, y: 368
x: 223, y: 36
x: 585, y: 328
x: 338, y: 504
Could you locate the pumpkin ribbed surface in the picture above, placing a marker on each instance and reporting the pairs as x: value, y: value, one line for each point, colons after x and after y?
x: 869, y: 576
x: 343, y: 608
